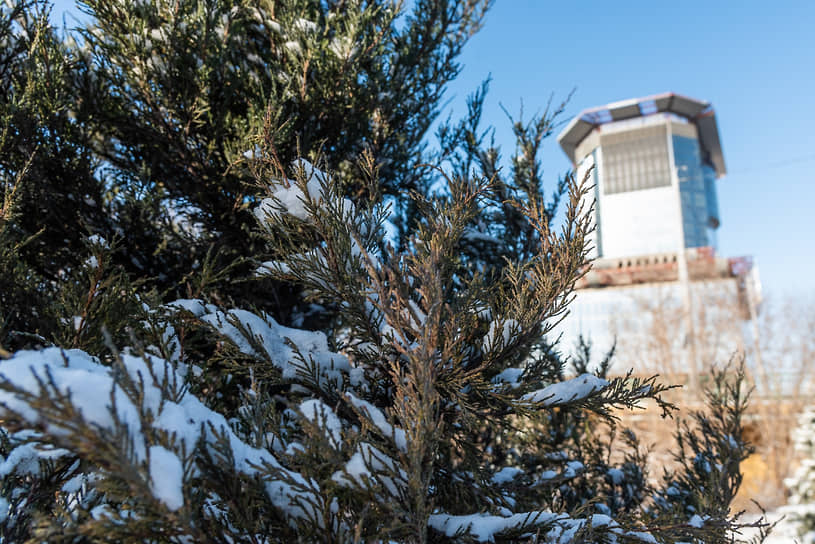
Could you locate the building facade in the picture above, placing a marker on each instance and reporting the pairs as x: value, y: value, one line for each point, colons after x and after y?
x: 653, y: 164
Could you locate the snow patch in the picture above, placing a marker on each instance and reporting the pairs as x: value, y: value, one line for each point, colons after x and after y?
x: 324, y: 417
x: 567, y: 391
x: 484, y: 527
x: 500, y: 334
x: 379, y: 420
x: 506, y: 474
x: 93, y: 390
x: 261, y: 336
x: 166, y: 476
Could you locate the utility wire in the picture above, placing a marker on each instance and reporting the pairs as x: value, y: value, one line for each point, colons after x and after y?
x: 776, y: 164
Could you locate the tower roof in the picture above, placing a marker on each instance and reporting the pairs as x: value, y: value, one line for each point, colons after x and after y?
x: 696, y: 111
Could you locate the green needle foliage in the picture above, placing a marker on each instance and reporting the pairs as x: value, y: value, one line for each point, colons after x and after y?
x: 178, y: 92
x: 51, y: 199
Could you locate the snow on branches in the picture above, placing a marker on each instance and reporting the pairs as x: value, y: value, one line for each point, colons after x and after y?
x: 419, y: 416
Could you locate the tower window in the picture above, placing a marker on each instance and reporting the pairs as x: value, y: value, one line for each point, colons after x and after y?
x: 635, y: 159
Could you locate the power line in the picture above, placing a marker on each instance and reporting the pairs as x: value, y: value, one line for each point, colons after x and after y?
x: 776, y: 164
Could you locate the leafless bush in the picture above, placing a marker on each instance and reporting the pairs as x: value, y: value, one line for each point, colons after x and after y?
x: 780, y: 352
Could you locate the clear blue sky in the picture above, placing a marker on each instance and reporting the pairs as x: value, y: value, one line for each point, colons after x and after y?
x: 754, y: 61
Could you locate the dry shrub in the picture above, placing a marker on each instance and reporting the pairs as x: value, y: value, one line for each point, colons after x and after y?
x: 780, y: 353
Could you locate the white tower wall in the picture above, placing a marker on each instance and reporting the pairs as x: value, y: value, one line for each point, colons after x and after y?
x: 639, y: 222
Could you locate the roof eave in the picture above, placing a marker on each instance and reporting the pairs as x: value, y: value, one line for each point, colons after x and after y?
x: 696, y: 111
